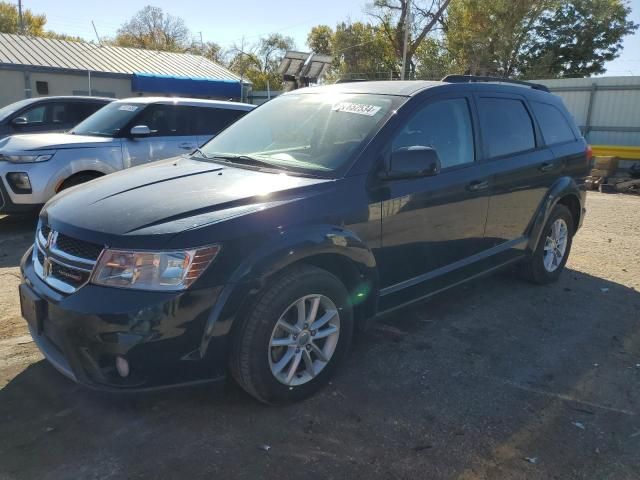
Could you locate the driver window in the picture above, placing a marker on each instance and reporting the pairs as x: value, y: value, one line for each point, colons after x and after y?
x: 444, y: 125
x: 35, y: 115
x: 161, y: 120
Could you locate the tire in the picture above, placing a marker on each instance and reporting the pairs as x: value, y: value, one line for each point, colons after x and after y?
x: 533, y: 268
x: 254, y: 358
x: 77, y: 179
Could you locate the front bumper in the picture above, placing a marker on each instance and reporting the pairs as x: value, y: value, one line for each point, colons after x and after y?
x: 160, y: 334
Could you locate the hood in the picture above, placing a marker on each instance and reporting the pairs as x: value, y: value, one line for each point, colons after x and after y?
x: 169, y: 197
x: 51, y: 141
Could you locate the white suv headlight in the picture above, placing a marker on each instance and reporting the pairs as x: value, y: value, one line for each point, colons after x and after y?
x: 27, y: 158
x: 153, y: 270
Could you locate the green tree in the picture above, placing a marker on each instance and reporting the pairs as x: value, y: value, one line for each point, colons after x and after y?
x: 320, y: 39
x: 154, y: 29
x: 10, y: 21
x: 420, y: 17
x: 534, y: 38
x: 259, y: 63
x: 576, y: 39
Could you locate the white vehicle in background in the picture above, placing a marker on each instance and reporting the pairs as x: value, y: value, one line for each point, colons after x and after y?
x: 123, y: 134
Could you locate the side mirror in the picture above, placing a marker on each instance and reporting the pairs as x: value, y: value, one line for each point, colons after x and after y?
x: 140, y: 131
x: 19, y: 121
x: 413, y: 162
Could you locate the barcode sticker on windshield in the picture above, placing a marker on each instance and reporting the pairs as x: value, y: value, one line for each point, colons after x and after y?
x: 128, y: 108
x: 360, y: 109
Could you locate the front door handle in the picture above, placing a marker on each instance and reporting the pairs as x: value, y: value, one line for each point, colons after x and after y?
x: 546, y: 166
x: 478, y: 185
x: 187, y: 146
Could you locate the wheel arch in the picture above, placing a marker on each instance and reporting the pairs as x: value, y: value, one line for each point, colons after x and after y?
x: 337, y: 251
x: 92, y: 173
x: 564, y: 191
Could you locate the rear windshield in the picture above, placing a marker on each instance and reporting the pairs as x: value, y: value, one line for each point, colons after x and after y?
x: 109, y: 120
x: 315, y: 132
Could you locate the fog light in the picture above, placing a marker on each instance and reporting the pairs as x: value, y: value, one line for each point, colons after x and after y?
x: 19, y: 182
x: 122, y: 366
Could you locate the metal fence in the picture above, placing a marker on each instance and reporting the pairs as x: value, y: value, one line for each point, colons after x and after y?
x: 607, y: 109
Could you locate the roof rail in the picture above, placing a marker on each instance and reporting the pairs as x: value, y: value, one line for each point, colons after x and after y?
x: 476, y: 78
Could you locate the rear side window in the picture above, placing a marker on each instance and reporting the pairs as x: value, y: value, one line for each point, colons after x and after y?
x: 554, y: 125
x: 78, y: 111
x: 444, y: 125
x: 213, y: 120
x: 506, y: 126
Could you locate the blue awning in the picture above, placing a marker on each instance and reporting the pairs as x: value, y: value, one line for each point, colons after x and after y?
x: 202, y: 87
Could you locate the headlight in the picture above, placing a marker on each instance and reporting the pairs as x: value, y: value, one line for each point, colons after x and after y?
x: 148, y: 270
x: 27, y: 158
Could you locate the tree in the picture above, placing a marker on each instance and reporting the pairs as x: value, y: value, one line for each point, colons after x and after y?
x: 395, y: 16
x: 320, y: 38
x: 10, y: 21
x: 576, y: 39
x: 359, y: 50
x: 259, y: 63
x: 153, y: 29
x: 534, y: 38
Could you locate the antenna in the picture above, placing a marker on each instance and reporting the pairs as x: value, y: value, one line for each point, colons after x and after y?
x: 96, y: 30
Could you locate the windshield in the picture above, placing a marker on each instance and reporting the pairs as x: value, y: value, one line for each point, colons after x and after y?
x: 13, y: 107
x: 109, y: 120
x: 309, y: 132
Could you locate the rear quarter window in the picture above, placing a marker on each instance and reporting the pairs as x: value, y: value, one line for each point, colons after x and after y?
x: 553, y: 124
x: 506, y: 126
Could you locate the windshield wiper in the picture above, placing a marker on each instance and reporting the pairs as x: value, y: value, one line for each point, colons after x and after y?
x: 247, y: 160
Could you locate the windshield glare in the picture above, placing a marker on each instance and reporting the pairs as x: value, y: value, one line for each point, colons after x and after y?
x: 317, y: 132
x: 109, y: 120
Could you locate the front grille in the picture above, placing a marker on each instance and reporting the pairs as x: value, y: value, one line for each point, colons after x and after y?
x: 78, y: 248
x: 64, y: 263
x: 71, y: 276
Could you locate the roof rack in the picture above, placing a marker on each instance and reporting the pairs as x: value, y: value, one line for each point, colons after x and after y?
x: 476, y: 78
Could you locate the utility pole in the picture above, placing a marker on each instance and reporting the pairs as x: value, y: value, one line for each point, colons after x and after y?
x: 20, y: 17
x: 96, y: 31
x: 201, y: 45
x: 407, y: 26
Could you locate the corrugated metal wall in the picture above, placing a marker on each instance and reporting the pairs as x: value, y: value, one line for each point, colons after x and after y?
x: 607, y: 109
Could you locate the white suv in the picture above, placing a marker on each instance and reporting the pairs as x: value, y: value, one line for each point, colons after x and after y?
x: 123, y: 134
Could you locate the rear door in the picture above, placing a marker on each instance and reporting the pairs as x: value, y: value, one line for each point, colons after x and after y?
x: 429, y: 224
x: 172, y: 134
x: 211, y: 121
x: 523, y: 168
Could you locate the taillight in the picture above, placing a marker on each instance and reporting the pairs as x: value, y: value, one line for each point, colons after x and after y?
x: 589, y: 153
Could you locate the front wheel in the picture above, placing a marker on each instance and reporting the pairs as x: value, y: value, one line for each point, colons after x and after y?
x: 548, y: 260
x: 293, y: 338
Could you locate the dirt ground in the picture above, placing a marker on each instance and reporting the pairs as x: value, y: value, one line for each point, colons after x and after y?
x: 495, y: 379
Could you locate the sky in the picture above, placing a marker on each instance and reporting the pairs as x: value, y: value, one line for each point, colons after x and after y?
x: 227, y: 22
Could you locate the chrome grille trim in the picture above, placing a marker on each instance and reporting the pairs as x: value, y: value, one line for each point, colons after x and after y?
x: 53, y: 255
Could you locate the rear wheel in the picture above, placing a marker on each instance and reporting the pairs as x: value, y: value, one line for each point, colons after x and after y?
x: 547, y: 262
x: 293, y: 338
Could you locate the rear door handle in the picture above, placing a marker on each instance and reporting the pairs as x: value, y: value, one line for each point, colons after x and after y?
x: 478, y: 185
x: 546, y: 166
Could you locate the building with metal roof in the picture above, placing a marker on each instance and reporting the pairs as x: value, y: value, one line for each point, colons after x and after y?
x: 36, y: 66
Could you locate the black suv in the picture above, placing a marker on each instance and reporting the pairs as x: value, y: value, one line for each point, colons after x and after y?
x: 260, y: 253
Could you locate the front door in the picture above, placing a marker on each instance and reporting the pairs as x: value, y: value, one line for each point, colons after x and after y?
x: 171, y: 135
x: 430, y: 223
